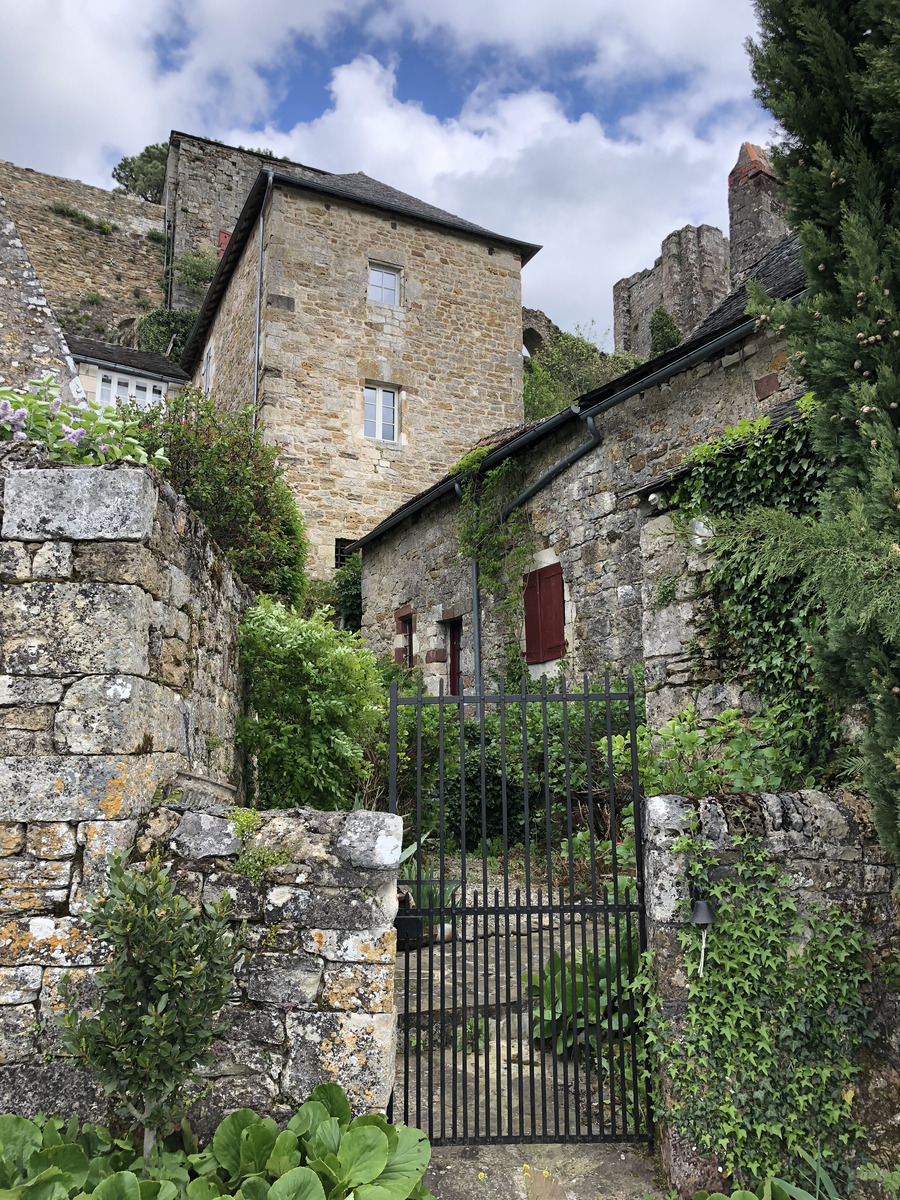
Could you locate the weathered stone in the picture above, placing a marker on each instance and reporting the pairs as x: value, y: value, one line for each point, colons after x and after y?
x: 99, y: 838
x: 51, y: 839
x: 48, y: 941
x: 12, y: 838
x: 85, y: 505
x: 372, y: 840
x: 82, y: 982
x: 123, y: 562
x: 350, y: 909
x: 30, y: 886
x: 355, y: 1050
x: 52, y: 560
x: 285, y: 980
x: 666, y: 885
x: 20, y: 985
x: 21, y: 689
x: 377, y: 946
x: 33, y: 718
x: 221, y: 1097
x: 200, y: 835
x: 74, y: 628
x: 16, y: 1032
x: 665, y: 818
x: 244, y: 897
x: 15, y: 562
x: 157, y: 829
x: 359, y: 987
x: 57, y: 1086
x: 81, y: 787
x: 264, y: 1025
x: 120, y: 714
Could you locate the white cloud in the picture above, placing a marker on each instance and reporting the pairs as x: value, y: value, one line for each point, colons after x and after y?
x: 84, y: 81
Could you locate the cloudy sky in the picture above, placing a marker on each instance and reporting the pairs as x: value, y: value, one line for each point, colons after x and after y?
x: 593, y: 127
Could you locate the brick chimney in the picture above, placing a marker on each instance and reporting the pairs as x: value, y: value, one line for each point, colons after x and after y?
x: 756, y: 210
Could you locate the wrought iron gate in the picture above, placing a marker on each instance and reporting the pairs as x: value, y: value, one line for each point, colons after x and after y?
x: 521, y: 920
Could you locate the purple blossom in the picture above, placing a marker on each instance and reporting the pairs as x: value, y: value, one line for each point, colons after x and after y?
x: 18, y: 417
x: 54, y: 407
x: 5, y: 410
x: 102, y: 447
x: 73, y: 436
x: 19, y: 436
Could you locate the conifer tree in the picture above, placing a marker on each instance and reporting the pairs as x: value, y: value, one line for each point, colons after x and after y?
x: 829, y: 71
x: 664, y: 332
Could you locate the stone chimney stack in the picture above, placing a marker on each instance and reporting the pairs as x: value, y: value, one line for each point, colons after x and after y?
x: 756, y: 211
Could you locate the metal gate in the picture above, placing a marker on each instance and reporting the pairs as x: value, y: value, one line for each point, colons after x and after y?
x: 521, y: 921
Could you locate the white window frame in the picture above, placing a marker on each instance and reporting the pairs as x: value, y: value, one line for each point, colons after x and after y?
x: 376, y: 289
x: 207, y: 370
x: 116, y: 387
x: 374, y: 409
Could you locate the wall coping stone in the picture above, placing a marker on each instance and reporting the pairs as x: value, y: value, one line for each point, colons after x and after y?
x: 84, y: 504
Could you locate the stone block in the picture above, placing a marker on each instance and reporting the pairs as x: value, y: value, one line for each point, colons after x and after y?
x: 56, y: 787
x: 99, y: 838
x: 52, y: 560
x: 29, y: 886
x: 57, y: 1086
x: 666, y: 885
x: 48, y: 942
x: 74, y: 629
x: 120, y: 714
x: 665, y: 819
x: 222, y: 1096
x: 51, y: 839
x: 334, y: 908
x: 285, y: 980
x: 12, y: 838
x: 375, y: 946
x: 244, y: 897
x: 21, y: 689
x: 359, y: 987
x: 263, y: 1025
x: 175, y: 663
x: 355, y: 1050
x: 82, y: 981
x: 371, y: 840
x: 33, y: 718
x: 667, y: 631
x: 16, y: 1032
x: 200, y: 835
x: 85, y: 505
x: 15, y: 563
x: 20, y: 985
x: 124, y: 562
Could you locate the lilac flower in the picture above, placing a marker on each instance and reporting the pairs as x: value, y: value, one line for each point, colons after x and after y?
x: 19, y: 436
x: 54, y: 407
x: 19, y: 416
x: 5, y: 410
x: 73, y: 436
x: 102, y: 447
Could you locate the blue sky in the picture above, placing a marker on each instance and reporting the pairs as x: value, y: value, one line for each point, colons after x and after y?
x: 590, y: 126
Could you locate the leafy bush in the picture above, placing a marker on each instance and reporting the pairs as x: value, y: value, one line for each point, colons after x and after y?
x: 567, y: 366
x: 315, y: 696
x: 323, y: 1151
x: 664, y: 332
x: 88, y: 434
x: 194, y: 269
x: 157, y: 330
x: 233, y: 481
x: 759, y: 1075
x: 170, y: 972
x: 77, y: 217
x: 348, y: 591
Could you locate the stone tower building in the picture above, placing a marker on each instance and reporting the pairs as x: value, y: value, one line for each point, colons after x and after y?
x: 698, y: 266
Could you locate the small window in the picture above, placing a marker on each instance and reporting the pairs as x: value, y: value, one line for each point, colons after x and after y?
x: 454, y: 658
x: 380, y: 413
x: 384, y: 285
x: 544, y: 615
x: 207, y: 370
x: 342, y: 553
x: 403, y: 655
x: 120, y: 389
x: 105, y: 390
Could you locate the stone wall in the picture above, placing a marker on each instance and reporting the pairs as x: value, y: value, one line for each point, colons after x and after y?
x: 32, y: 345
x: 313, y: 995
x: 451, y: 348
x: 587, y: 519
x: 118, y: 643
x: 828, y: 848
x: 93, y: 280
x: 756, y: 210
x: 231, y: 342
x: 689, y: 279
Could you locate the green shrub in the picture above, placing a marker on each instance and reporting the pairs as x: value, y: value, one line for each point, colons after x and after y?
x: 233, y: 481
x: 77, y: 217
x: 170, y: 971
x: 664, y: 332
x: 348, y: 591
x: 314, y: 695
x: 194, y: 269
x: 323, y: 1151
x: 143, y: 174
x: 156, y: 330
x: 89, y: 435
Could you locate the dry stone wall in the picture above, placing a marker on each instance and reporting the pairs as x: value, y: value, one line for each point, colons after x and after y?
x: 827, y: 845
x: 312, y: 1000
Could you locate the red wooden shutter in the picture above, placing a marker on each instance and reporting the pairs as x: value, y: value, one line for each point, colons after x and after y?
x: 545, y: 616
x: 224, y: 239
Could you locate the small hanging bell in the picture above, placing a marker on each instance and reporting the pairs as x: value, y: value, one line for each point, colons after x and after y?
x: 702, y: 913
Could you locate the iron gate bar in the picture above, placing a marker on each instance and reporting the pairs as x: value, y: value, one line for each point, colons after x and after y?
x: 608, y: 1109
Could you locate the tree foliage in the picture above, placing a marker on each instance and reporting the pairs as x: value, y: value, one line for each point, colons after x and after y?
x: 143, y: 174
x: 165, y: 330
x: 195, y: 268
x: 566, y: 366
x: 829, y: 71
x: 314, y: 696
x: 218, y: 461
x: 169, y: 973
x: 664, y: 332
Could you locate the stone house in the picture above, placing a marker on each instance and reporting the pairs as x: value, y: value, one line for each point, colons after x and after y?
x: 590, y: 476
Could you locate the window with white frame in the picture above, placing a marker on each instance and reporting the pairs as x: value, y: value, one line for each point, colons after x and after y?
x: 380, y: 412
x: 117, y: 388
x: 384, y: 285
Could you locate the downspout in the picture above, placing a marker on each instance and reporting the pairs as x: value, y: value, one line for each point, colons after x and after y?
x: 476, y: 611
x: 259, y: 273
x: 562, y: 465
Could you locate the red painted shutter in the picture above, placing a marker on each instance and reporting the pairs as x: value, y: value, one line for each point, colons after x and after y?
x: 224, y: 239
x: 544, y: 615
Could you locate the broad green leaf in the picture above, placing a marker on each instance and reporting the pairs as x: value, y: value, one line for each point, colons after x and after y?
x: 299, y: 1184
x: 254, y: 1188
x: 19, y: 1138
x: 363, y: 1155
x: 334, y: 1099
x: 285, y: 1154
x: 226, y: 1143
x: 64, y: 1156
x: 157, y: 1189
x: 256, y: 1145
x: 121, y: 1186
x: 203, y: 1189
x: 307, y: 1119
x: 380, y: 1122
x: 328, y: 1138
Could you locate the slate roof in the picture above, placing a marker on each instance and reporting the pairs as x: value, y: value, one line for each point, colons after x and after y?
x: 140, y: 362
x: 780, y: 274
